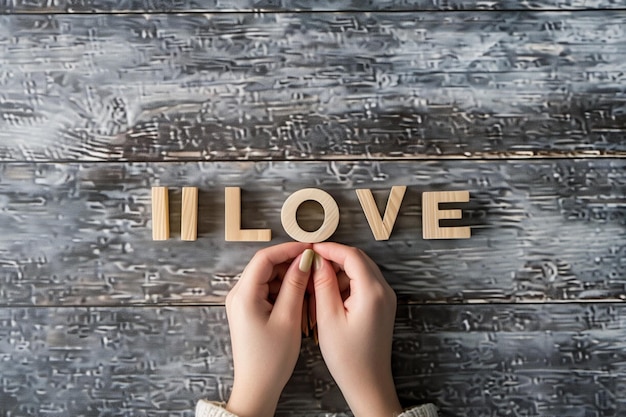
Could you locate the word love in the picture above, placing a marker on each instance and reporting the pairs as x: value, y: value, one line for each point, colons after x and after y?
x: 381, y: 226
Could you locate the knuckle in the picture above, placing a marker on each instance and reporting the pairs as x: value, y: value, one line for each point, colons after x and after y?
x: 229, y: 298
x: 378, y: 295
x: 296, y: 284
x: 355, y: 252
x: 383, y: 295
x: 285, y: 321
x: 260, y: 255
x: 323, y: 281
x: 232, y: 295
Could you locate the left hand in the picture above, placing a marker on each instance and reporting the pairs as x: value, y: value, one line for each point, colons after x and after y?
x: 264, y: 313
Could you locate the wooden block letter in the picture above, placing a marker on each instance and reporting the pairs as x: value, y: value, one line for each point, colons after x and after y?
x: 160, y: 214
x: 431, y: 215
x: 289, y: 218
x: 381, y: 227
x: 232, y: 218
x: 189, y: 214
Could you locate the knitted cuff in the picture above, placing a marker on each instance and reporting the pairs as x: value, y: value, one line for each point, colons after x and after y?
x: 426, y: 410
x: 208, y: 409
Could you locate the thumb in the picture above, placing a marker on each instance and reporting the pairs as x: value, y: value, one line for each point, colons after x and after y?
x: 291, y: 294
x: 328, y: 302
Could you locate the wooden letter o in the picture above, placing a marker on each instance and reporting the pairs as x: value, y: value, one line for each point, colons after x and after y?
x: 290, y: 221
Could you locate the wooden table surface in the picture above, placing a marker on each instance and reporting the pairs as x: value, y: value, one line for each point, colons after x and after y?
x: 521, y: 103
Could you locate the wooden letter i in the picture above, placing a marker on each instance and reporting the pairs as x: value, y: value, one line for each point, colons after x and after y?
x: 189, y: 214
x: 160, y: 214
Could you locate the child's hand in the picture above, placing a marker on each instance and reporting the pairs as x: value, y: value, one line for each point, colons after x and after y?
x: 355, y: 334
x: 265, y: 315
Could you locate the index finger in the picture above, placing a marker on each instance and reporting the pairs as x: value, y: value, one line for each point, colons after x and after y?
x: 353, y: 261
x: 260, y: 269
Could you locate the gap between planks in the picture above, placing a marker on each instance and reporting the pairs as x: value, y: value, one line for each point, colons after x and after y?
x: 401, y: 303
x: 516, y: 156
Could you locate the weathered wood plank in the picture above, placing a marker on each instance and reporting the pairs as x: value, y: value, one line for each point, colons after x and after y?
x: 535, y: 360
x: 473, y: 356
x: 117, y: 6
x: 541, y: 229
x: 311, y: 86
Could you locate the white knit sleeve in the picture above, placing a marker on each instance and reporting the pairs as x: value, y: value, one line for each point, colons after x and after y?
x: 208, y: 409
x: 426, y: 410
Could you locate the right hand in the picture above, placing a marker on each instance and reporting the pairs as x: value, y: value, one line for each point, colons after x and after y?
x: 355, y: 330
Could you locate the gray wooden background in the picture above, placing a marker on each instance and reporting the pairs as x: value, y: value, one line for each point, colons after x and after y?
x: 521, y: 103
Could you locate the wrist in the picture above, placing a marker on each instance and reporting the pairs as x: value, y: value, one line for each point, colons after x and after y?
x: 252, y: 401
x: 376, y: 407
x: 377, y: 399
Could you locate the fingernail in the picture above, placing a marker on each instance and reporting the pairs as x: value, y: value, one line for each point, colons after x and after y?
x: 318, y: 261
x: 306, y: 260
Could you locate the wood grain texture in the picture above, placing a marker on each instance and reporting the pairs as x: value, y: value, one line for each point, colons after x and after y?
x: 381, y: 225
x: 530, y: 360
x: 520, y: 102
x: 541, y: 230
x: 160, y: 213
x: 233, y: 231
x: 330, y: 215
x: 312, y: 86
x: 434, y: 214
x: 189, y: 214
x: 116, y: 6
